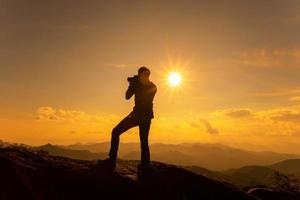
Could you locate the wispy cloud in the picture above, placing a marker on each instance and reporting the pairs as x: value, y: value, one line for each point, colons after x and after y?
x: 237, y: 112
x: 206, y: 124
x: 269, y: 57
x: 286, y: 115
x: 295, y: 99
x: 277, y: 93
x: 274, y: 121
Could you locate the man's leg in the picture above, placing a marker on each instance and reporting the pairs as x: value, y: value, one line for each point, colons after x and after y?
x: 144, y: 127
x: 128, y: 122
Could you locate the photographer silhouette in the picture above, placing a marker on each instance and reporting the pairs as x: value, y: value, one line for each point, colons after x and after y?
x: 141, y: 115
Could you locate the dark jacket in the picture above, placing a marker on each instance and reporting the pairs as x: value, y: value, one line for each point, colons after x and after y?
x: 143, y: 98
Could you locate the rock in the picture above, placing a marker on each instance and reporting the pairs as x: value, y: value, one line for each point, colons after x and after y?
x: 271, y: 194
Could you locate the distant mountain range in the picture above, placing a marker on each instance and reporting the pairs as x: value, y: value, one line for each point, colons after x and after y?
x: 70, y: 153
x: 210, y: 156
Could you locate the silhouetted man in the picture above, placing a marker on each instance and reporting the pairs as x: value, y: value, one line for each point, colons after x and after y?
x: 144, y: 91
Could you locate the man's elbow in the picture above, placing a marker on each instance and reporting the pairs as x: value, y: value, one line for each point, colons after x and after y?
x: 128, y: 96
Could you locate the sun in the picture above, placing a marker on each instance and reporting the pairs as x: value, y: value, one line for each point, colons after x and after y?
x: 174, y: 79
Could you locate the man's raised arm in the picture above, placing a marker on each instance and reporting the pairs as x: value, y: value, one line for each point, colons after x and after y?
x: 129, y: 92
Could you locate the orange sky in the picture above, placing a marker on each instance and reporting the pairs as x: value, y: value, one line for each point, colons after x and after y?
x: 64, y: 65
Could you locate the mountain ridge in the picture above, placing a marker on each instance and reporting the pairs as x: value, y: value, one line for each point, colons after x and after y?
x: 212, y: 156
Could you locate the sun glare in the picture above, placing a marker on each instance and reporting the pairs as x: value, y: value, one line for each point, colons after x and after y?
x: 174, y: 79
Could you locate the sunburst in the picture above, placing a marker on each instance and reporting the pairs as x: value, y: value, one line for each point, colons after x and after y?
x: 174, y: 79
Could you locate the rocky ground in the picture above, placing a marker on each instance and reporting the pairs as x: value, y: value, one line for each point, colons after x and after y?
x: 31, y: 174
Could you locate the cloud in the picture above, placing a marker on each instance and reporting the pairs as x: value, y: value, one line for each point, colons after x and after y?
x: 296, y: 98
x: 278, y: 93
x: 238, y: 113
x: 273, y: 121
x: 286, y: 115
x: 207, y: 125
x: 72, y: 132
x: 50, y: 114
x: 269, y: 57
x: 47, y: 113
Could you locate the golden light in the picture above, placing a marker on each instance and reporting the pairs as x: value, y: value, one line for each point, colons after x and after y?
x: 174, y: 79
x: 174, y: 76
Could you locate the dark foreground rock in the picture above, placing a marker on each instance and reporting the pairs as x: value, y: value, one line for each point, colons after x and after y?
x: 269, y: 194
x: 31, y: 174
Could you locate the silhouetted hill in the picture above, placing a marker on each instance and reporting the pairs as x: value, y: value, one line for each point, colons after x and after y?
x: 254, y: 176
x: 291, y: 166
x: 31, y: 174
x: 210, y: 156
x: 70, y: 153
x: 260, y: 181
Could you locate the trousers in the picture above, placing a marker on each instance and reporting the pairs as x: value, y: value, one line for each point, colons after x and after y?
x: 132, y: 120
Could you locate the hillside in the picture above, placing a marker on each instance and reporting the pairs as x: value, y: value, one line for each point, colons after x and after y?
x: 290, y: 166
x: 264, y: 182
x: 32, y: 174
x: 254, y: 176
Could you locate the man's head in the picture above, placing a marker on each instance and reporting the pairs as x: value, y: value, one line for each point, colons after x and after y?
x: 144, y: 74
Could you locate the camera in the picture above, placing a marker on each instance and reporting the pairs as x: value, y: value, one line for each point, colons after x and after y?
x: 133, y: 79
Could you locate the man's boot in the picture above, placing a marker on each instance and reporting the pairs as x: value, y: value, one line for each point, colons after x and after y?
x: 143, y: 172
x: 108, y: 164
